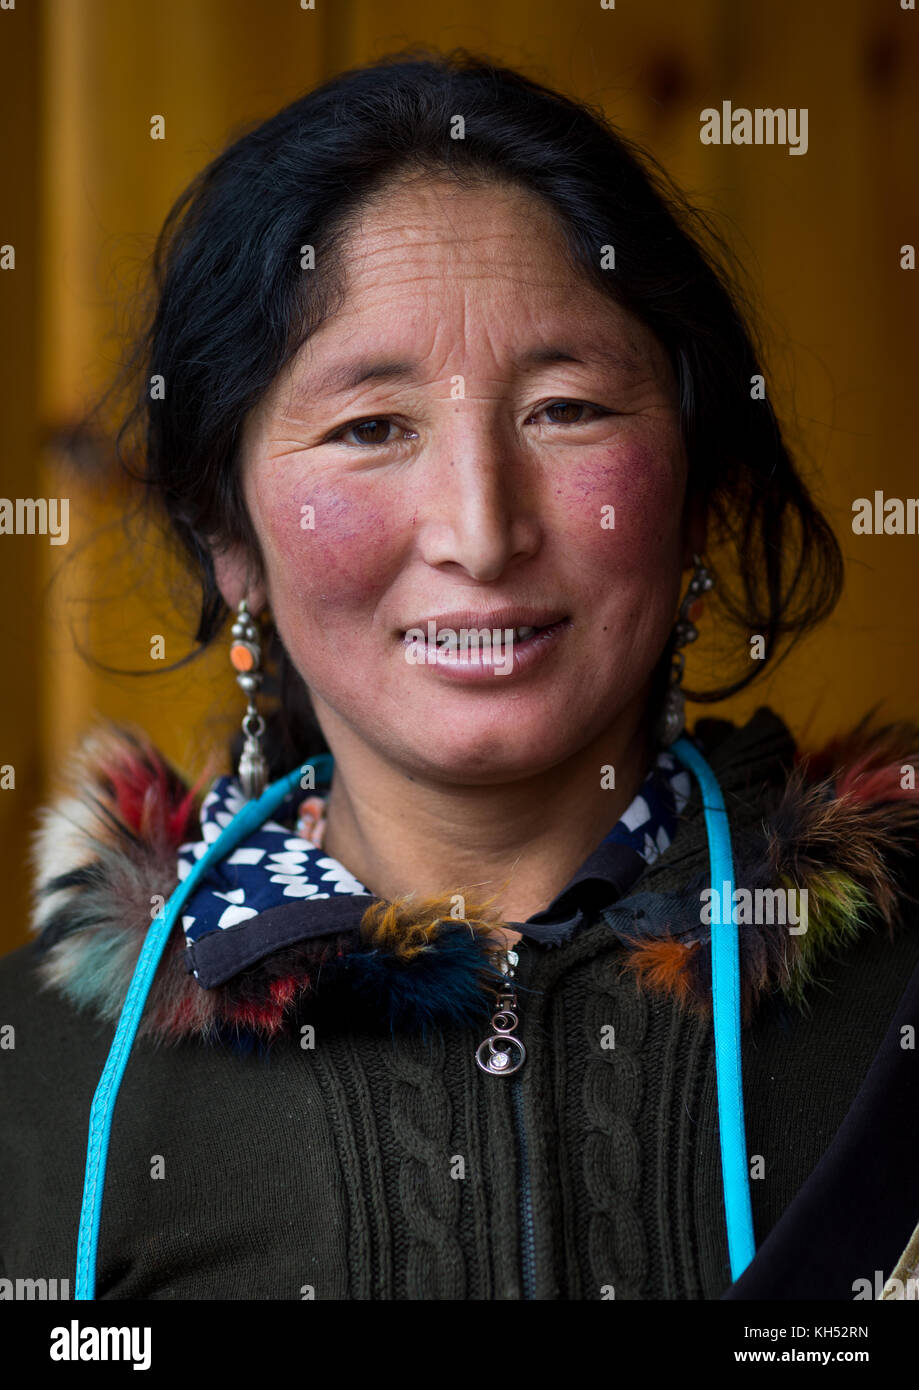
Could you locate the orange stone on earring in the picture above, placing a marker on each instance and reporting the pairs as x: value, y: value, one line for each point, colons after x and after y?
x: 243, y: 656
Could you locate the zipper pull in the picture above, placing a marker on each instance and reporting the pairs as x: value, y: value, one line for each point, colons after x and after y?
x: 502, y: 1053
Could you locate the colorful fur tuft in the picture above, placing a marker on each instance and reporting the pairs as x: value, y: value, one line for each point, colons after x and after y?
x: 404, y: 927
x: 843, y: 839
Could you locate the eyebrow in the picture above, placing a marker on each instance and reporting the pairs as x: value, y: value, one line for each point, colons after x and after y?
x: 348, y: 375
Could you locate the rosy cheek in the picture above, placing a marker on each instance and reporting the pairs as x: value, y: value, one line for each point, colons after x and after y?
x: 640, y: 481
x: 330, y: 542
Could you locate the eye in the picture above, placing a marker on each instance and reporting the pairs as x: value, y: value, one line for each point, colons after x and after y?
x: 366, y: 433
x: 379, y: 430
x: 572, y: 412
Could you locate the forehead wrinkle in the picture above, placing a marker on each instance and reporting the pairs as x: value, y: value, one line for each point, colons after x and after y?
x: 363, y: 281
x: 395, y: 366
x: 482, y: 249
x: 381, y: 252
x: 410, y: 285
x: 416, y: 224
x: 347, y: 376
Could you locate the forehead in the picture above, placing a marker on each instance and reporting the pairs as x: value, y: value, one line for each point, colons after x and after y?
x: 429, y: 244
x: 486, y: 228
x: 436, y: 269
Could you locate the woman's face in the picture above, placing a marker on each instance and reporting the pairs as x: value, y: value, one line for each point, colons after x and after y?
x: 476, y: 429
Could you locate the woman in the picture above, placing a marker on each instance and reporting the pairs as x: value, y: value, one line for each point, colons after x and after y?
x: 445, y: 401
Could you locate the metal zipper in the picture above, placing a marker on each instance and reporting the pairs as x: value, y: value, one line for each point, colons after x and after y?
x: 527, y: 1231
x: 503, y: 1054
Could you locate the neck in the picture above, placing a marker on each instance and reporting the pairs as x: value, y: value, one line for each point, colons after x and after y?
x: 515, y: 844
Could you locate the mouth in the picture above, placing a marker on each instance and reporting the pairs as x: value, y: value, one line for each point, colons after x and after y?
x: 525, y: 623
x: 448, y: 642
x: 521, y: 634
x: 478, y: 653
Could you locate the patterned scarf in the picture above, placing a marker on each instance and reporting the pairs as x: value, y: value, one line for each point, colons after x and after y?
x: 275, y: 865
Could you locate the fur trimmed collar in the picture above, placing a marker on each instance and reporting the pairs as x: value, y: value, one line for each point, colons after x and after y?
x: 842, y: 823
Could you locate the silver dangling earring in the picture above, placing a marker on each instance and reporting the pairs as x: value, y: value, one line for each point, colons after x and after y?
x: 672, y: 719
x: 246, y: 657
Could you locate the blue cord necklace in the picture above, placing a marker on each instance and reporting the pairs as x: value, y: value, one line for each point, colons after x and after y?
x: 725, y: 1006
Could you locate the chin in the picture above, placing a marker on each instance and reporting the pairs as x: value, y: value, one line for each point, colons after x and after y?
x: 480, y: 757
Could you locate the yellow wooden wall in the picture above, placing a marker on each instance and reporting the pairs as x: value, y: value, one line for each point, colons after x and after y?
x: 85, y: 190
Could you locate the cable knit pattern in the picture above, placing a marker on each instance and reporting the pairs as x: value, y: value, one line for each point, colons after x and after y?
x: 422, y: 1125
x: 612, y: 1094
x: 349, y: 1084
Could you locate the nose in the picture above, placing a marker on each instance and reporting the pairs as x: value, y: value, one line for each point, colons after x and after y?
x: 480, y: 512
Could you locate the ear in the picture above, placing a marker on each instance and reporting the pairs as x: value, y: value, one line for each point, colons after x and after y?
x: 236, y: 580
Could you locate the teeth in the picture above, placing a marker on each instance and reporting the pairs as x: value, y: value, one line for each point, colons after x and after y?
x: 521, y: 633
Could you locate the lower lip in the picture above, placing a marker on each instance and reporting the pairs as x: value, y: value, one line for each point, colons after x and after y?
x: 527, y: 654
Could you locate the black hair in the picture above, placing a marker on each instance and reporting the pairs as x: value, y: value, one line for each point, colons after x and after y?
x: 231, y: 304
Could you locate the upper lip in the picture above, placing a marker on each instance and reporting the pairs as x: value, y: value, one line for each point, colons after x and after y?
x: 515, y: 617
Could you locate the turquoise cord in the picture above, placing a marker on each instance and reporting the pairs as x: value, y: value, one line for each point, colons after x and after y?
x: 735, y: 1174
x: 253, y: 814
